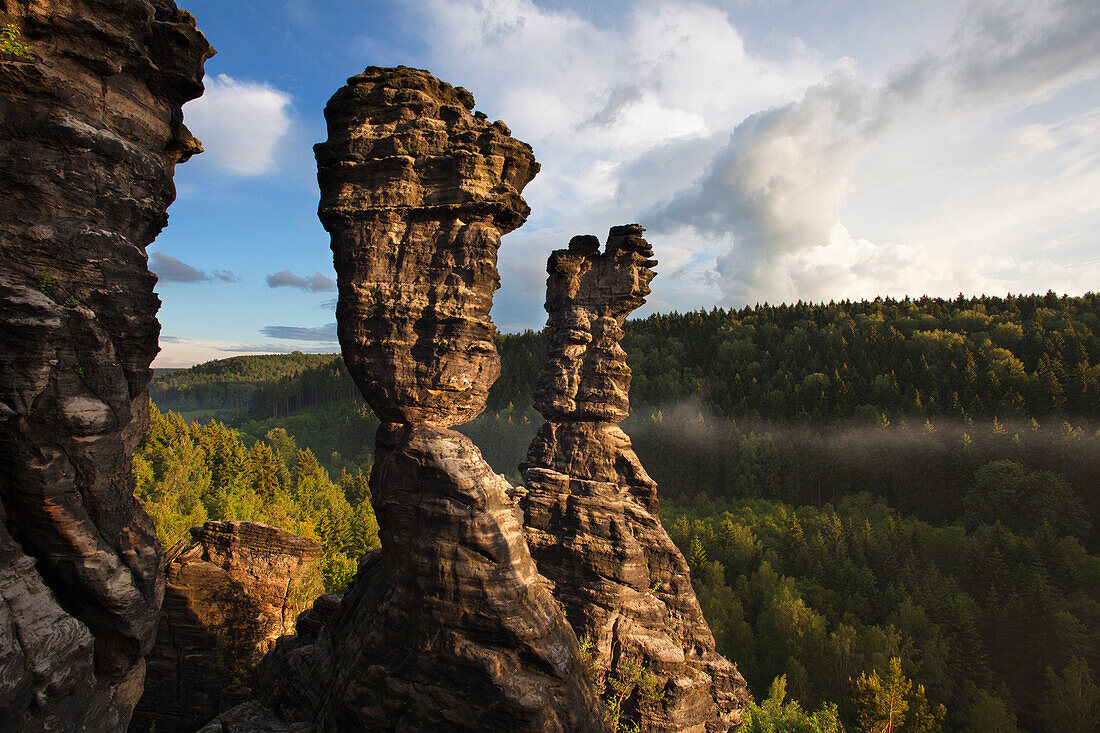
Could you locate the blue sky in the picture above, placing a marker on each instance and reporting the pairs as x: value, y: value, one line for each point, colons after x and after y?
x: 774, y: 150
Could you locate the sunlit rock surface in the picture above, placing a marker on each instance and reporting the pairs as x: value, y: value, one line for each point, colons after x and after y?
x: 232, y: 590
x: 590, y: 509
x: 416, y: 192
x: 448, y: 627
x: 90, y: 133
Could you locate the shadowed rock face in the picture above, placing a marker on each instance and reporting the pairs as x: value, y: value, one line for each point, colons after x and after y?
x: 90, y: 132
x: 231, y: 592
x: 449, y: 626
x: 416, y: 193
x: 590, y: 509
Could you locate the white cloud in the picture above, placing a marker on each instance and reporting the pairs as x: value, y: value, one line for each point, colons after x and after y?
x: 655, y: 83
x: 777, y: 187
x: 980, y: 193
x: 767, y: 170
x: 240, y: 123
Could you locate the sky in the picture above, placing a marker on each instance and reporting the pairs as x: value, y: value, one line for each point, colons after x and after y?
x: 774, y: 150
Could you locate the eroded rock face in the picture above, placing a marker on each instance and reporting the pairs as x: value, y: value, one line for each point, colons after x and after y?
x: 449, y: 626
x: 416, y: 192
x: 231, y: 592
x: 590, y: 509
x: 90, y: 132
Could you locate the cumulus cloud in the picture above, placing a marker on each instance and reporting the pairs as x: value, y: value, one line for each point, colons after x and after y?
x: 170, y: 269
x: 302, y: 333
x: 241, y: 124
x: 774, y: 194
x: 316, y: 283
x: 646, y: 79
x: 777, y: 187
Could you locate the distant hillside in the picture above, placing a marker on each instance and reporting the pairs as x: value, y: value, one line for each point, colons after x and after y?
x: 227, y: 383
x: 851, y: 484
x: 1015, y: 357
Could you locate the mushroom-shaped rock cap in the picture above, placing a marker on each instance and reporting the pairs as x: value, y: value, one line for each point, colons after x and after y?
x: 416, y: 192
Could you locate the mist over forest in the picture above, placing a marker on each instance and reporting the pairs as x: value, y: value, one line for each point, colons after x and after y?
x: 872, y: 496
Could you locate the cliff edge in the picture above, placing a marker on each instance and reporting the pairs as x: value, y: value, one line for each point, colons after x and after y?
x: 91, y: 129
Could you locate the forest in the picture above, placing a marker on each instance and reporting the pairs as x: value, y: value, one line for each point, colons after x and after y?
x: 887, y: 505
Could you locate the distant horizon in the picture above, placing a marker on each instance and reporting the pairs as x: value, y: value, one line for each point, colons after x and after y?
x: 336, y: 349
x: 774, y: 151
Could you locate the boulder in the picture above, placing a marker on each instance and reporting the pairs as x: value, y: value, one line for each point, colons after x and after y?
x: 231, y: 591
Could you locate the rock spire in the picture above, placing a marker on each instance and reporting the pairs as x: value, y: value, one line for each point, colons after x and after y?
x: 449, y: 625
x: 90, y: 132
x: 416, y: 192
x: 590, y: 509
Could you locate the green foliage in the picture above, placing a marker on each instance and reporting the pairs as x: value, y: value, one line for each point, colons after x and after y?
x: 891, y: 704
x: 990, y: 714
x: 824, y: 595
x: 1007, y: 492
x: 629, y: 682
x: 851, y: 483
x: 188, y: 474
x: 11, y: 43
x: 1072, y: 702
x: 775, y: 716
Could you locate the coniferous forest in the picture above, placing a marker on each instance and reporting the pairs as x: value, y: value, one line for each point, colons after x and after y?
x: 890, y: 507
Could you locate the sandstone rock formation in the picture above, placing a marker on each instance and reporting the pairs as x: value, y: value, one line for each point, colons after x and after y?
x: 231, y: 592
x: 416, y: 193
x: 590, y: 509
x: 449, y: 626
x: 90, y: 132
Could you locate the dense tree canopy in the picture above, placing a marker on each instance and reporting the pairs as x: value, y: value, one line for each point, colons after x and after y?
x: 890, y: 508
x: 188, y: 474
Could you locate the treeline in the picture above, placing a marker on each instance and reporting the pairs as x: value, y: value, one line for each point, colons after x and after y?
x: 231, y: 384
x: 1000, y: 627
x: 967, y: 358
x: 1019, y: 356
x: 188, y: 474
x: 923, y: 468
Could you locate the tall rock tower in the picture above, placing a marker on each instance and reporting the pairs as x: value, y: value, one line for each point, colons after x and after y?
x: 91, y: 129
x: 449, y: 625
x: 590, y: 509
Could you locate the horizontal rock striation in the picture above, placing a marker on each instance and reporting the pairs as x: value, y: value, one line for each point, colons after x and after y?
x: 449, y: 625
x: 90, y: 131
x: 590, y: 509
x: 416, y: 193
x: 231, y: 592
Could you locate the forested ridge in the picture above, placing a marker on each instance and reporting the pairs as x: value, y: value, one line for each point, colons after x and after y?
x: 228, y: 383
x: 886, y: 504
x: 1033, y: 356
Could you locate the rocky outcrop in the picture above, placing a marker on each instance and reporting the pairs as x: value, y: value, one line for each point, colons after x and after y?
x: 590, y: 509
x: 231, y: 592
x: 416, y: 192
x: 449, y: 626
x: 90, y: 132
